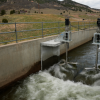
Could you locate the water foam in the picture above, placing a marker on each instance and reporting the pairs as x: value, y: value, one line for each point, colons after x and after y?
x: 43, y: 86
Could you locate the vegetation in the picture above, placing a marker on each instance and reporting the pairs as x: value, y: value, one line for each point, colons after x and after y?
x: 73, y: 7
x: 12, y: 11
x: 41, y: 12
x: 4, y: 21
x: 3, y: 0
x: 46, y: 1
x: 3, y: 12
x: 29, y: 18
x: 81, y: 12
x: 34, y: 18
x: 69, y: 4
x: 18, y: 12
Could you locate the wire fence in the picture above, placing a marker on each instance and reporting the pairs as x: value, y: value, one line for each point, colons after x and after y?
x: 16, y: 32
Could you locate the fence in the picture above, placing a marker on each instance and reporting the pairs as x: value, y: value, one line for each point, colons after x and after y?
x: 16, y: 32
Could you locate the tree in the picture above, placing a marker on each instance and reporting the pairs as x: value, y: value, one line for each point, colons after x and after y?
x: 41, y: 12
x: 18, y: 12
x: 63, y: 11
x: 80, y: 10
x: 3, y: 12
x: 12, y: 11
x: 4, y: 21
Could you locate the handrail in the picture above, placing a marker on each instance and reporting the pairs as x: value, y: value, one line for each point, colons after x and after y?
x: 58, y: 28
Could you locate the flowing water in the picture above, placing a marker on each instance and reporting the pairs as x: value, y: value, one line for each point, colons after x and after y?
x: 60, y: 82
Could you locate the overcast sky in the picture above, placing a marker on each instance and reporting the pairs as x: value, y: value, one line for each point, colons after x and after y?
x: 90, y: 3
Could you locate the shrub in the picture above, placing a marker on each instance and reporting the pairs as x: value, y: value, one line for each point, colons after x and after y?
x: 35, y: 12
x: 41, y: 12
x: 60, y: 13
x: 80, y: 10
x: 12, y: 11
x: 4, y: 21
x: 18, y: 12
x: 3, y: 12
x: 63, y: 11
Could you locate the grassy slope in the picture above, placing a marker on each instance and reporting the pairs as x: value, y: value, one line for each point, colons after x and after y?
x: 32, y: 18
x: 29, y: 18
x: 36, y: 18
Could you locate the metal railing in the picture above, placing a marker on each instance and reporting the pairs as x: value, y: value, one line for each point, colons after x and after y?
x: 16, y: 32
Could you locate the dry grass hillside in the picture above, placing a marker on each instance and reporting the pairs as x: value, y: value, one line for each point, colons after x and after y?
x: 49, y: 15
x: 40, y: 13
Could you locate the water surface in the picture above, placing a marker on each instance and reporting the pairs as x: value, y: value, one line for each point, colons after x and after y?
x: 60, y: 82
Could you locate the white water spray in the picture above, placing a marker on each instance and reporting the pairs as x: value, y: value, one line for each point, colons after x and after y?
x: 44, y: 86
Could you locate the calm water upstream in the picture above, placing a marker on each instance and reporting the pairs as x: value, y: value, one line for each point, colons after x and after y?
x: 61, y: 83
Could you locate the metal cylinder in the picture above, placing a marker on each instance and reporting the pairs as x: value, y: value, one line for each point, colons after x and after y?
x: 67, y: 46
x: 67, y: 22
x: 96, y: 65
x: 98, y: 22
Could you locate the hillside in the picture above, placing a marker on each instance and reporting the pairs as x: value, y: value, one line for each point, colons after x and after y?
x: 42, y: 4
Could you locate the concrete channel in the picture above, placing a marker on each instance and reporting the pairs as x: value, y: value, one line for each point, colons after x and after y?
x: 21, y: 59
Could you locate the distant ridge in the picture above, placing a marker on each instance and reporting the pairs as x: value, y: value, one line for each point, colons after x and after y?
x: 28, y: 4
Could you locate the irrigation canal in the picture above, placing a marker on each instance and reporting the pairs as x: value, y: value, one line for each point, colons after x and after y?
x: 59, y: 82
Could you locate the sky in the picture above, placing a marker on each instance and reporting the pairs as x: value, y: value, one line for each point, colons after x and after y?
x: 90, y: 3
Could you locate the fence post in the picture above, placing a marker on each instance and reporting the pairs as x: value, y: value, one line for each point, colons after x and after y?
x: 58, y: 28
x: 42, y: 30
x: 16, y: 32
x: 78, y: 26
x: 89, y: 25
x: 84, y: 25
x: 70, y: 26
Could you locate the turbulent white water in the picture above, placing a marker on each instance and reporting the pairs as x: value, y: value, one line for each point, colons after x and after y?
x: 44, y: 86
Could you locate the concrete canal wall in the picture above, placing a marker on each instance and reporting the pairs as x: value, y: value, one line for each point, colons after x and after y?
x: 19, y: 59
